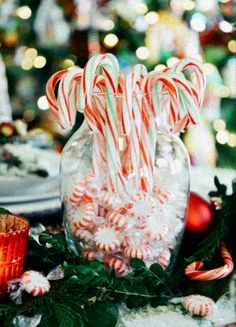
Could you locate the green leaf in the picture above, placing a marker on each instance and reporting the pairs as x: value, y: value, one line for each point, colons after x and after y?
x: 2, y: 210
x: 137, y: 263
x: 161, y: 275
x: 98, y: 267
x: 102, y: 314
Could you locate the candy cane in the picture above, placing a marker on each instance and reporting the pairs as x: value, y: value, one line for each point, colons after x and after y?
x: 134, y: 104
x: 188, y: 107
x: 193, y: 271
x: 65, y: 106
x: 107, y: 66
x: 152, y: 80
x: 191, y: 63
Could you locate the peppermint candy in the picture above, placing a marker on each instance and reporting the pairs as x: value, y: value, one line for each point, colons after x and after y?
x: 154, y: 229
x: 117, y: 219
x: 35, y: 283
x: 84, y: 214
x: 164, y: 258
x: 119, y: 266
x: 199, y: 305
x: 84, y: 235
x: 141, y: 251
x: 89, y: 255
x: 107, y: 239
x: 78, y: 193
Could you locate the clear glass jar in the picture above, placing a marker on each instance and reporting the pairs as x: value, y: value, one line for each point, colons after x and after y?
x: 119, y: 200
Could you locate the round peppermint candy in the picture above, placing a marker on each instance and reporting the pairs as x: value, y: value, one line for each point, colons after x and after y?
x: 107, y: 238
x: 35, y: 283
x: 199, y: 305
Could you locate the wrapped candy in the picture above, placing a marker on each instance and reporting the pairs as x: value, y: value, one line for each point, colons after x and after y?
x: 33, y: 282
x: 125, y: 174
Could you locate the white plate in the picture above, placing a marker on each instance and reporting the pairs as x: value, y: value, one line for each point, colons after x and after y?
x: 11, y: 186
x: 38, y: 208
x: 28, y: 198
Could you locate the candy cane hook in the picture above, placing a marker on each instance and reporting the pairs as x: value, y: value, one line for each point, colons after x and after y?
x: 194, y: 272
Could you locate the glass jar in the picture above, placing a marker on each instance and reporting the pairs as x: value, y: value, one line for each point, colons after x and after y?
x: 124, y: 186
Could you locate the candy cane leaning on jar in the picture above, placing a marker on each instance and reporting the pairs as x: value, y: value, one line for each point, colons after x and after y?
x: 194, y: 272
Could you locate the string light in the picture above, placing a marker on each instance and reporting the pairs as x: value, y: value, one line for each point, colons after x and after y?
x: 110, y: 40
x: 225, y: 26
x: 142, y: 53
x: 24, y: 12
x: 108, y: 24
x: 159, y: 67
x: 222, y: 137
x: 31, y: 53
x: 152, y: 17
x: 172, y: 61
x: 198, y: 22
x: 232, y: 140
x: 232, y: 46
x: 43, y: 103
x: 39, y: 62
x: 219, y: 125
x: 26, y: 64
x: 141, y: 8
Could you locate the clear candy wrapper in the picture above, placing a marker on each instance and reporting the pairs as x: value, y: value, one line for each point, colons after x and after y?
x: 34, y: 283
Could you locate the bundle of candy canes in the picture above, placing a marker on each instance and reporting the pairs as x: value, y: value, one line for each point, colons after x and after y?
x: 121, y: 208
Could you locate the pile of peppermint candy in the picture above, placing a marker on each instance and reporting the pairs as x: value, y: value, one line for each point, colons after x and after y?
x: 122, y: 208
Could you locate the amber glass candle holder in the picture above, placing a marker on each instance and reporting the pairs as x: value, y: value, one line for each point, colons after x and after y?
x: 13, y: 245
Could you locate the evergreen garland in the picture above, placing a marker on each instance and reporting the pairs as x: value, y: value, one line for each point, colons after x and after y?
x: 89, y: 295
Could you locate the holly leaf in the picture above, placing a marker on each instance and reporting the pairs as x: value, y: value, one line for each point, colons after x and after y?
x: 102, y: 314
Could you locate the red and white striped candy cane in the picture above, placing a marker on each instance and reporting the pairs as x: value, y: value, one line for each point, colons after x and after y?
x: 188, y: 103
x: 107, y: 66
x: 193, y: 271
x: 151, y: 111
x: 64, y: 107
x: 134, y: 104
x: 191, y: 63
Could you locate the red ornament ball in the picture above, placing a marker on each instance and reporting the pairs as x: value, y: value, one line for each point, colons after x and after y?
x: 200, y: 214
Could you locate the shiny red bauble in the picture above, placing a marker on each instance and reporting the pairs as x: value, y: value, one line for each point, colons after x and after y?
x: 200, y: 214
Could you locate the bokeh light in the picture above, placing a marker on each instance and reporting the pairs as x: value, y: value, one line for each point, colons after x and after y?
x: 24, y: 12
x: 152, y: 17
x: 198, y: 22
x: 222, y: 137
x: 43, y: 103
x: 142, y: 53
x: 219, y: 125
x: 39, y: 62
x: 110, y: 40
